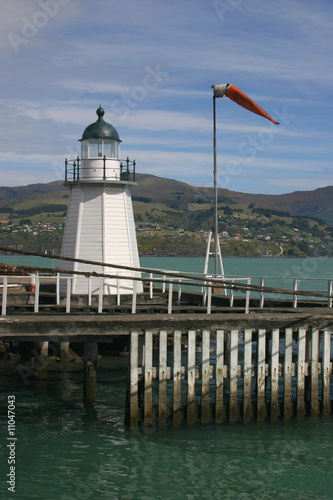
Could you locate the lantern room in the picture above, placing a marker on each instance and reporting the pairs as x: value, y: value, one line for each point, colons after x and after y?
x: 99, y: 155
x: 100, y: 150
x: 100, y: 139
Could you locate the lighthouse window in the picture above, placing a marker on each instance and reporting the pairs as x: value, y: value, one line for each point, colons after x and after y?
x: 115, y: 150
x: 110, y: 149
x: 98, y: 149
x: 93, y: 150
x: 107, y: 150
x: 84, y: 149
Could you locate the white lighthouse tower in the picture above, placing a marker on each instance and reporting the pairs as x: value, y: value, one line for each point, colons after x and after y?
x: 100, y: 223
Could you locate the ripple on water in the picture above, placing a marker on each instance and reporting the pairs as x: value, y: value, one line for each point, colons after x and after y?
x: 69, y: 450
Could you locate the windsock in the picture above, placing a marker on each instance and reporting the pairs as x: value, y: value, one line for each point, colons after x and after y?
x: 236, y: 95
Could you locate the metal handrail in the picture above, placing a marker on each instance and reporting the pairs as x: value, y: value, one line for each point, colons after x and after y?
x: 74, y: 169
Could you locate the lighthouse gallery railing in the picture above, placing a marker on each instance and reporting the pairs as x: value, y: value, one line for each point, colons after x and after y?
x: 74, y: 169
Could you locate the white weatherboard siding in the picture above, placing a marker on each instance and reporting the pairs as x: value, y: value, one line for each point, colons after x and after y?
x: 100, y: 227
x: 69, y: 239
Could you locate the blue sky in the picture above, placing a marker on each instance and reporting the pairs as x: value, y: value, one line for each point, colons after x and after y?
x: 151, y: 64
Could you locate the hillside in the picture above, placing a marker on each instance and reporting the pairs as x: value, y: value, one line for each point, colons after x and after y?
x: 32, y: 191
x: 317, y: 203
x: 172, y: 218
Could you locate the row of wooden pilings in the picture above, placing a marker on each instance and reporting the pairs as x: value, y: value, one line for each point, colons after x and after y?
x: 228, y: 376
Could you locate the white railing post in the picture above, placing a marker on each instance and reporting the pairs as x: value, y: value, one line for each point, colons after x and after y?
x: 179, y: 296
x: 170, y: 298
x: 36, y: 305
x: 68, y: 295
x: 163, y: 286
x: 232, y: 293
x: 209, y: 298
x: 330, y: 291
x: 4, y: 296
x: 295, y: 282
x: 134, y: 298
x: 100, y: 295
x: 118, y: 291
x: 262, y: 293
x: 89, y: 291
x: 151, y: 286
x: 58, y: 289
x: 204, y: 291
x: 247, y: 299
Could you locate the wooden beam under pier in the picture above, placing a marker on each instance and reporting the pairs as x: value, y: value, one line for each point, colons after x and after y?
x: 99, y: 328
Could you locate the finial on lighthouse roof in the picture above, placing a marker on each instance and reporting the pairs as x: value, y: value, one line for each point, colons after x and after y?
x: 100, y: 129
x: 100, y: 112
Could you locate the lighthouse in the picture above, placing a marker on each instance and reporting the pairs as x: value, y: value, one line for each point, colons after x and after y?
x: 100, y: 222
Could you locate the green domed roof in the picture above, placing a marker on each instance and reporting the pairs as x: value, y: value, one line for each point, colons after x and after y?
x: 100, y: 129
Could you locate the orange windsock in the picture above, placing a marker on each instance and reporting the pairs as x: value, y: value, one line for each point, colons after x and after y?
x: 236, y: 95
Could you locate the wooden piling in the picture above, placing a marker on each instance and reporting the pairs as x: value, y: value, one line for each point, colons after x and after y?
x: 233, y: 376
x: 205, y: 377
x: 314, y: 371
x: 219, y: 376
x: 63, y: 352
x: 90, y: 363
x: 325, y: 370
x: 134, y: 378
x: 288, y: 346
x: 247, y: 376
x: 148, y: 380
x: 301, y: 372
x: 261, y: 375
x: 162, y: 377
x: 274, y: 399
x: 89, y: 382
x: 191, y: 377
x: 177, y: 378
x: 40, y: 359
x: 308, y: 354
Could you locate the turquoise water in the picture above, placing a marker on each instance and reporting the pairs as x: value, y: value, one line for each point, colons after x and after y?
x: 68, y: 450
x: 29, y: 260
x: 313, y: 273
x: 285, y: 268
x: 278, y: 272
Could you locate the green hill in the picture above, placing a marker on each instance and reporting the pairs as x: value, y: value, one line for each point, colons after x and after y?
x: 172, y: 218
x: 317, y: 203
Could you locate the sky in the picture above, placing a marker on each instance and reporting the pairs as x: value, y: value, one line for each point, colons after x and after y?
x: 151, y: 65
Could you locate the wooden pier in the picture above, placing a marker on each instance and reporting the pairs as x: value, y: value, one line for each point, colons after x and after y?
x: 194, y: 367
x: 195, y: 356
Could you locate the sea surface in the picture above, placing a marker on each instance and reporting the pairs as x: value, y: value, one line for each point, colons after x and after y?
x: 66, y: 449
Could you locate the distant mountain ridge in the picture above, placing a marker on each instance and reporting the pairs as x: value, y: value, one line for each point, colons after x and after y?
x: 317, y: 203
